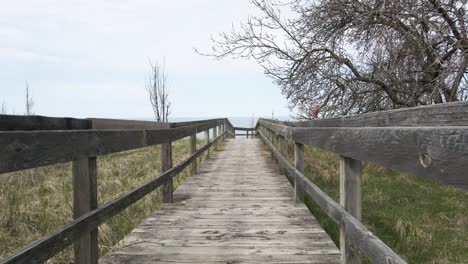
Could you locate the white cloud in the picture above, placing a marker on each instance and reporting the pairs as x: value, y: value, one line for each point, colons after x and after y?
x: 99, y: 43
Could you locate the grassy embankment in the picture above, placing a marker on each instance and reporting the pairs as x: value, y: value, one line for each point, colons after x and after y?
x: 422, y: 221
x: 35, y: 202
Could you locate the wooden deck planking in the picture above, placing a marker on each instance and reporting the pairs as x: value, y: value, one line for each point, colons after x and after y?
x: 238, y: 209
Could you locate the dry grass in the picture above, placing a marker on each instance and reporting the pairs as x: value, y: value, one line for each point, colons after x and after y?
x: 35, y: 202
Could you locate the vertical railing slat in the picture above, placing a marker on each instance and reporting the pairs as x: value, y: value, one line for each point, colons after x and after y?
x: 193, y: 149
x: 350, y: 199
x: 166, y: 164
x: 299, y: 165
x: 84, y: 200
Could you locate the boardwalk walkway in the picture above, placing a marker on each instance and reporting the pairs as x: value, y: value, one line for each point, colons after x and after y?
x: 237, y: 209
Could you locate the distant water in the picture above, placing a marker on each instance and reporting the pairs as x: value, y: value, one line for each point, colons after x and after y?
x: 238, y: 121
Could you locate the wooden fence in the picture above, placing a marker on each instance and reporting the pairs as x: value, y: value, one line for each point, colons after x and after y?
x: 33, y: 141
x: 249, y: 131
x: 429, y: 142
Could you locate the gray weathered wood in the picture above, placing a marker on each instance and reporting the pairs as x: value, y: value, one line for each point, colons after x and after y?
x: 85, y: 200
x: 448, y: 114
x: 363, y: 240
x: 166, y: 164
x: 29, y: 149
x: 28, y: 123
x: 215, y: 134
x: 102, y: 123
x: 299, y: 165
x: 350, y: 199
x: 193, y: 149
x: 227, y: 214
x: 207, y: 140
x: 48, y: 246
x: 436, y: 153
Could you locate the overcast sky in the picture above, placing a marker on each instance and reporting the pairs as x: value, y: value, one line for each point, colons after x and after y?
x: 90, y: 58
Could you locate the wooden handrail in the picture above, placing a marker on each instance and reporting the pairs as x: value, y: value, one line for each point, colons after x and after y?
x: 30, y: 149
x: 361, y: 238
x: 50, y: 245
x: 34, y: 141
x: 437, y: 153
x: 430, y: 142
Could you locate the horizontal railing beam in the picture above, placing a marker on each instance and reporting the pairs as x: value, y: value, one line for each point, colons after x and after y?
x: 435, y: 153
x: 244, y: 128
x: 448, y: 114
x: 30, y: 149
x: 48, y: 246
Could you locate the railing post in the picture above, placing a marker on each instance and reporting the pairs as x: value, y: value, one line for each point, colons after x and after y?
x: 166, y: 164
x: 215, y: 135
x: 85, y: 200
x: 223, y: 129
x: 350, y: 199
x: 193, y: 149
x: 299, y: 164
x: 207, y: 141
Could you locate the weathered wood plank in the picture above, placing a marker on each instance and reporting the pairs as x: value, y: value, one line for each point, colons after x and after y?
x: 299, y: 165
x: 27, y: 123
x: 102, y: 123
x: 85, y: 200
x: 193, y: 149
x: 166, y: 164
x: 23, y: 150
x: 435, y: 153
x: 230, y: 223
x: 350, y: 199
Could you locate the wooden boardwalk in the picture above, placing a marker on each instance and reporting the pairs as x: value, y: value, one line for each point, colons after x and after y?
x: 237, y: 209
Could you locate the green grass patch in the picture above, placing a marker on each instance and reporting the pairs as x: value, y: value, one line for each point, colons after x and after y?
x: 422, y: 221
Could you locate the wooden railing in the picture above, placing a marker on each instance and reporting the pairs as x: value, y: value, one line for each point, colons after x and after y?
x: 430, y: 142
x: 33, y: 141
x: 249, y: 131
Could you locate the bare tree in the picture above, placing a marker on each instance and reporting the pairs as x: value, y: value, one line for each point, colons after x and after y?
x: 29, y: 102
x: 158, y: 92
x: 348, y: 56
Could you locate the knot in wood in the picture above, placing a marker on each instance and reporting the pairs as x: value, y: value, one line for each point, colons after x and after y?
x: 425, y: 156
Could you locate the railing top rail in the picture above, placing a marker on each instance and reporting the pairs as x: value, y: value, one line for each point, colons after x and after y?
x: 448, y: 114
x: 30, y: 149
x: 35, y: 122
x: 244, y: 128
x: 430, y: 142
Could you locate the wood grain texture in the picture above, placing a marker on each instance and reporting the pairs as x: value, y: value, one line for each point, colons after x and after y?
x: 48, y: 246
x: 85, y: 200
x: 166, y: 164
x: 237, y: 209
x: 102, y: 123
x: 362, y: 239
x: 29, y: 149
x: 193, y: 149
x: 435, y: 153
x: 299, y: 165
x: 350, y: 199
x: 28, y: 123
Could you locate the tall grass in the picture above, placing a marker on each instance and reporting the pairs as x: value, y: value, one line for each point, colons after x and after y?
x: 35, y: 202
x: 423, y: 221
